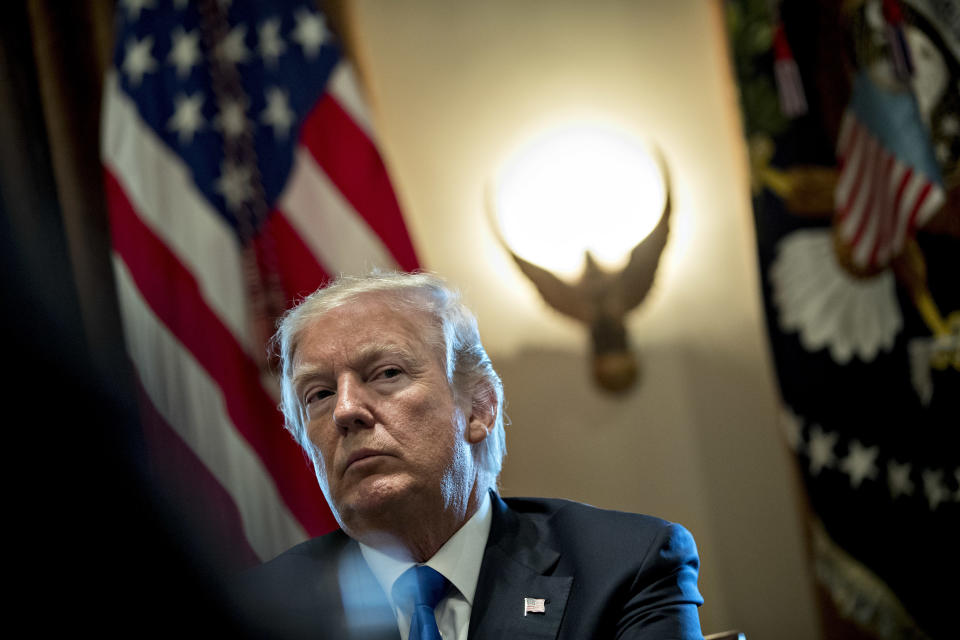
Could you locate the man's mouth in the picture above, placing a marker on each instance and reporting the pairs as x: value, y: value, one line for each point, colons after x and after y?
x: 362, y: 454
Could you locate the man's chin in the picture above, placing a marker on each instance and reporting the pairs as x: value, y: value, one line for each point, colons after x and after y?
x: 375, y: 499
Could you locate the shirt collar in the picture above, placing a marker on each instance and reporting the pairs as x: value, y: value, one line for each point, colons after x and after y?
x: 458, y: 560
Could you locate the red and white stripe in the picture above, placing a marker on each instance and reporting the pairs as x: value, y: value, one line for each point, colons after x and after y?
x: 880, y: 201
x: 183, y: 298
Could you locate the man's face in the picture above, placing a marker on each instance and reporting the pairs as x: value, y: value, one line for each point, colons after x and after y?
x: 390, y: 440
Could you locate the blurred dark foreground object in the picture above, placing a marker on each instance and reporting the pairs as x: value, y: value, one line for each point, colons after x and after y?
x: 91, y: 547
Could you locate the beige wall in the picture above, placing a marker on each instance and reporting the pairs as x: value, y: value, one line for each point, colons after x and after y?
x: 457, y: 86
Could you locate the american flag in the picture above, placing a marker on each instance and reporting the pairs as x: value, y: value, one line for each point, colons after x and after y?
x: 240, y: 171
x: 889, y: 182
x: 534, y: 605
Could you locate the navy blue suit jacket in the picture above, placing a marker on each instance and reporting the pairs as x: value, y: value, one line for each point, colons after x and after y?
x: 603, y: 574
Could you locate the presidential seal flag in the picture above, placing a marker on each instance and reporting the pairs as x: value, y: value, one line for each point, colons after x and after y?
x: 857, y: 211
x: 241, y: 170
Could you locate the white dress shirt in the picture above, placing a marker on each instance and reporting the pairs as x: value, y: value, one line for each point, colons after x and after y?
x: 458, y: 560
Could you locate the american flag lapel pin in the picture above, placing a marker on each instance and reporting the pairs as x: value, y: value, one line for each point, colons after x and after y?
x: 534, y: 605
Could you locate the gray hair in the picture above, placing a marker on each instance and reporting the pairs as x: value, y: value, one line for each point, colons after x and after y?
x: 468, y: 367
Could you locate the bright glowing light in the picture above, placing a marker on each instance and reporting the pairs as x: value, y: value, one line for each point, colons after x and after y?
x: 579, y: 189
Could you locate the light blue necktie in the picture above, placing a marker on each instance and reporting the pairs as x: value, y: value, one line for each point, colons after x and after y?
x: 420, y: 589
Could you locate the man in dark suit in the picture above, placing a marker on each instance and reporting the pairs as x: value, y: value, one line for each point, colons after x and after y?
x: 387, y: 387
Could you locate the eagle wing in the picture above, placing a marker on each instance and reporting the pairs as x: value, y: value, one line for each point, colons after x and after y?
x: 635, y: 281
x: 566, y: 298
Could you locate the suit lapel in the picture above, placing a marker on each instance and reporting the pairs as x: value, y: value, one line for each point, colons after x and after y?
x: 516, y: 563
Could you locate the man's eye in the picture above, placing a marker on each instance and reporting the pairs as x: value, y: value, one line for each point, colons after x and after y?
x: 390, y: 372
x: 319, y: 395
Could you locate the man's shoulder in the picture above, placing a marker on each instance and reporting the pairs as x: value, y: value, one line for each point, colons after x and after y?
x: 575, y: 525
x: 296, y: 594
x: 319, y: 547
x: 301, y: 558
x: 562, y: 511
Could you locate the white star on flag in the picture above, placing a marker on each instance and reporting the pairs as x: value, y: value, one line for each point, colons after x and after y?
x: 138, y: 61
x: 860, y: 463
x: 271, y: 45
x: 791, y: 426
x: 310, y: 32
x: 933, y: 487
x: 942, y: 149
x: 232, y: 119
x: 278, y: 113
x: 898, y: 479
x: 950, y: 125
x: 187, y: 118
x: 185, y: 51
x: 134, y: 7
x: 821, y: 449
x: 234, y: 184
x: 232, y: 49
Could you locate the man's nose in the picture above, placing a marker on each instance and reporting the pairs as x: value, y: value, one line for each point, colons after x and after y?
x: 352, y: 410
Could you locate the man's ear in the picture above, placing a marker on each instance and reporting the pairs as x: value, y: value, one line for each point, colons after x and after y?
x: 483, y: 413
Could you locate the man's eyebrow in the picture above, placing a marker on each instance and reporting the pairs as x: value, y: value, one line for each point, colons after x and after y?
x: 304, y: 374
x: 376, y: 350
x: 365, y: 356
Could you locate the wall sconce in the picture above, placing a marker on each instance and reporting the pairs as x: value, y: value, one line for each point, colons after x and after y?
x: 584, y: 212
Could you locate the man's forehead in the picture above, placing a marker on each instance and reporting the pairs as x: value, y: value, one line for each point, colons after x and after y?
x: 365, y: 329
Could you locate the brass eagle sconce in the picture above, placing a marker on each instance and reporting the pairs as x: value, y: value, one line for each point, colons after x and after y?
x: 601, y: 298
